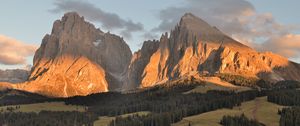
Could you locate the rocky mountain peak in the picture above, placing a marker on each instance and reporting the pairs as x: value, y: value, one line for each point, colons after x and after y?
x: 73, y: 15
x: 194, y: 46
x: 78, y: 59
x: 67, y: 23
x: 197, y: 25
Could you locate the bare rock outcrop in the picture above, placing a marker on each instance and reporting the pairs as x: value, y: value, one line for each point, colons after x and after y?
x: 196, y: 47
x: 138, y: 63
x: 78, y: 59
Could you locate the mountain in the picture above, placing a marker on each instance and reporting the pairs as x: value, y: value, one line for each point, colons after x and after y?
x: 194, y: 48
x: 78, y: 59
x: 14, y: 75
x: 138, y: 63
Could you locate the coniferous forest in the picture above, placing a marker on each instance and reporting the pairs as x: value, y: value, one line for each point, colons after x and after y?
x: 241, y: 120
x: 47, y: 118
x: 290, y: 116
x: 167, y: 104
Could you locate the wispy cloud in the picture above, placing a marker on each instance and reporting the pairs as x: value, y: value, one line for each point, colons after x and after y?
x: 287, y: 45
x: 13, y: 51
x: 108, y: 20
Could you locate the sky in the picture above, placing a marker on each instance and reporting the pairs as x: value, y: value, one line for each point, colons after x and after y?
x: 266, y: 25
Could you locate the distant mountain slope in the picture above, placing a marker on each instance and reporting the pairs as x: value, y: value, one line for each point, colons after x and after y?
x: 14, y: 75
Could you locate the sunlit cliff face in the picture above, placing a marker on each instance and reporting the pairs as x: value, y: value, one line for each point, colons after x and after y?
x: 78, y: 59
x: 195, y: 46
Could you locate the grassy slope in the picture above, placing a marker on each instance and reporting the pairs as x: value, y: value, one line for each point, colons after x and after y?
x: 105, y: 120
x: 49, y: 106
x: 260, y: 109
x: 214, y: 83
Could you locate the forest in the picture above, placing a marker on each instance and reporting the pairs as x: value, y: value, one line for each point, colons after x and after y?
x: 47, y: 118
x: 289, y: 97
x: 241, y: 120
x: 167, y: 104
x: 290, y: 116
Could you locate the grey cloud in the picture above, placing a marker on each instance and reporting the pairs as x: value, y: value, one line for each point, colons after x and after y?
x: 219, y: 12
x: 149, y: 36
x: 108, y: 20
x: 131, y: 27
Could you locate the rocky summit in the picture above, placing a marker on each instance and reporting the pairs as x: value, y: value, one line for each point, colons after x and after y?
x: 78, y: 59
x: 194, y: 47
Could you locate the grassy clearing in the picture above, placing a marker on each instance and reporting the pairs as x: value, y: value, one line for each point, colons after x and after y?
x: 213, y: 86
x: 260, y: 109
x: 105, y: 120
x: 47, y: 106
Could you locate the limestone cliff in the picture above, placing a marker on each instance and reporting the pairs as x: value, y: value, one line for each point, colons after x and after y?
x: 196, y: 47
x: 138, y: 63
x: 78, y: 59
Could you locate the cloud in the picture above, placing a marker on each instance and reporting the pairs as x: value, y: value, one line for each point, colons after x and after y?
x: 108, y: 20
x: 238, y: 19
x: 219, y: 13
x: 149, y: 36
x: 287, y: 45
x: 13, y: 51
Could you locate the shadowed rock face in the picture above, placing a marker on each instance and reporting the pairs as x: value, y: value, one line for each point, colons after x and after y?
x: 138, y: 63
x: 196, y: 47
x: 78, y: 59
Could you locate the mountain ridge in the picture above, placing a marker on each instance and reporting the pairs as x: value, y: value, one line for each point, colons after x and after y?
x: 189, y: 50
x: 78, y: 59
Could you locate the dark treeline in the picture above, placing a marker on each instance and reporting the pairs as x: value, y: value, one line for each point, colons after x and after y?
x: 47, y: 118
x: 286, y: 93
x: 162, y: 100
x: 167, y: 104
x: 280, y: 85
x: 241, y: 120
x: 285, y: 97
x: 290, y: 116
x: 258, y: 83
x: 167, y: 117
x: 286, y: 84
x: 153, y: 119
x: 16, y: 97
x: 239, y: 80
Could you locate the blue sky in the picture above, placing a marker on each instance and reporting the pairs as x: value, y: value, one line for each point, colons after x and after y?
x: 28, y: 21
